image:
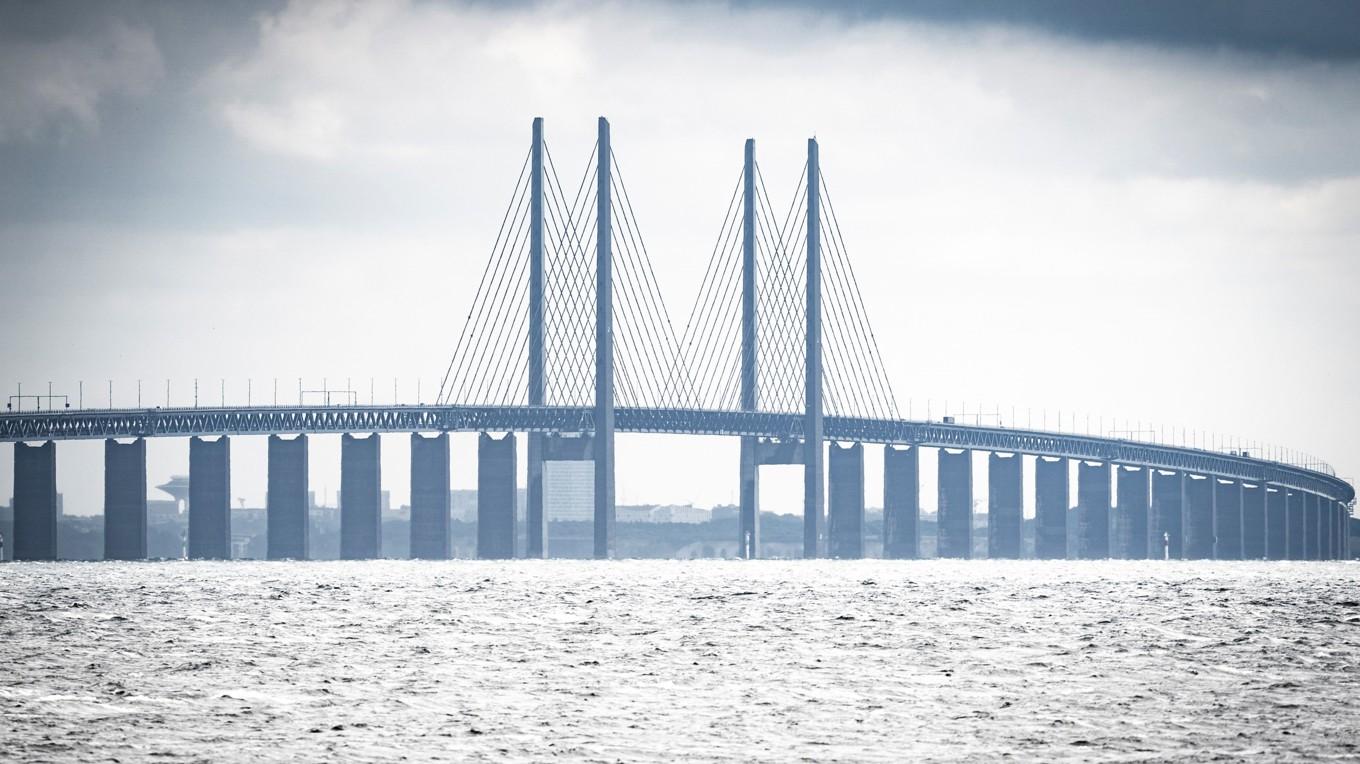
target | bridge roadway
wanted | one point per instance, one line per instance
(268, 420)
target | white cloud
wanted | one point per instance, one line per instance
(58, 86)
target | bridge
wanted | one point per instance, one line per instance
(569, 342)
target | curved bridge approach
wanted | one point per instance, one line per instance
(777, 352)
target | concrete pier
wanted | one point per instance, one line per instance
(535, 517)
(1005, 511)
(1339, 530)
(1093, 510)
(360, 497)
(845, 483)
(1166, 531)
(1051, 488)
(1294, 537)
(954, 518)
(1133, 487)
(1310, 526)
(1326, 521)
(1227, 520)
(1277, 524)
(210, 499)
(748, 521)
(125, 500)
(430, 496)
(35, 502)
(901, 503)
(288, 501)
(1254, 521)
(496, 525)
(1198, 517)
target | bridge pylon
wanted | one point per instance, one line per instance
(604, 351)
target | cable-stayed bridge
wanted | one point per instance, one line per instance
(569, 341)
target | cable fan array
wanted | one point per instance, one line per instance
(652, 369)
(490, 361)
(853, 376)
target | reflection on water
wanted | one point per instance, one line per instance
(655, 660)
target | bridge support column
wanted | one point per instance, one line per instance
(1336, 530)
(954, 515)
(1005, 512)
(1254, 521)
(210, 499)
(1295, 512)
(125, 500)
(814, 497)
(360, 497)
(1227, 520)
(1345, 532)
(1333, 530)
(35, 502)
(535, 517)
(1198, 516)
(430, 497)
(845, 526)
(901, 503)
(1310, 526)
(1134, 486)
(1326, 519)
(1093, 510)
(748, 530)
(288, 503)
(604, 354)
(1167, 525)
(1340, 531)
(1277, 523)
(1051, 485)
(496, 527)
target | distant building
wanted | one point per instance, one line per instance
(178, 488)
(725, 512)
(160, 510)
(684, 513)
(642, 514)
(569, 491)
(463, 504)
(670, 513)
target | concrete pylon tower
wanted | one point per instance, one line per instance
(814, 497)
(749, 521)
(604, 353)
(536, 541)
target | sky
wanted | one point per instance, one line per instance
(1144, 213)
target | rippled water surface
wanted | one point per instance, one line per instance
(658, 660)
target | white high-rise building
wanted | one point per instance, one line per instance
(569, 490)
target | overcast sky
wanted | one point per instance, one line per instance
(1148, 212)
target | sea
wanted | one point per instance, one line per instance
(709, 660)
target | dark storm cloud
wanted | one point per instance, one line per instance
(1312, 28)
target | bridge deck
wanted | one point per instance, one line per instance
(265, 420)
